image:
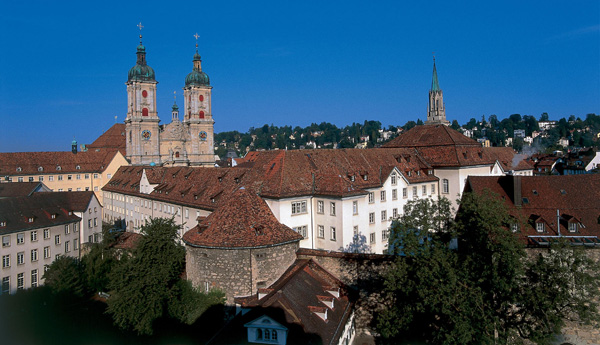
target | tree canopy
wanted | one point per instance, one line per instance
(488, 291)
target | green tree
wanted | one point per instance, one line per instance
(485, 292)
(66, 275)
(143, 285)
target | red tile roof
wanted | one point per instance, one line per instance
(244, 221)
(509, 159)
(13, 189)
(16, 212)
(126, 240)
(276, 174)
(113, 138)
(299, 293)
(431, 135)
(576, 197)
(44, 163)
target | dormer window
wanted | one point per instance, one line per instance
(418, 172)
(30, 220)
(365, 177)
(19, 169)
(40, 169)
(53, 216)
(514, 227)
(352, 178)
(430, 172)
(2, 223)
(58, 168)
(540, 227)
(78, 167)
(408, 173)
(572, 227)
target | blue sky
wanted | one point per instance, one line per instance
(63, 65)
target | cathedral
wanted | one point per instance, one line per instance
(178, 143)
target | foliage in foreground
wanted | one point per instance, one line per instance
(144, 285)
(487, 291)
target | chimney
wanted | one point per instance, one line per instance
(517, 197)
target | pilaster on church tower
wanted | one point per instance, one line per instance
(436, 111)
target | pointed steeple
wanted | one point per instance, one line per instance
(435, 85)
(436, 112)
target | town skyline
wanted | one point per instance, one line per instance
(271, 63)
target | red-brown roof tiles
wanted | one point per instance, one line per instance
(540, 197)
(113, 138)
(44, 163)
(244, 221)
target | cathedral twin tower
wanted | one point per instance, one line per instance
(179, 143)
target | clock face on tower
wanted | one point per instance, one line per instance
(203, 136)
(146, 135)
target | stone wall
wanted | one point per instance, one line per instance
(238, 272)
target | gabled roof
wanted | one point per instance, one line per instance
(575, 197)
(113, 138)
(46, 209)
(13, 189)
(431, 135)
(277, 174)
(293, 301)
(243, 221)
(508, 159)
(47, 163)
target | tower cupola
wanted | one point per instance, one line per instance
(141, 71)
(196, 76)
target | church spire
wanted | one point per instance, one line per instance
(436, 111)
(435, 85)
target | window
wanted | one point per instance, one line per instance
(333, 234)
(46, 234)
(50, 178)
(301, 230)
(95, 221)
(20, 238)
(433, 188)
(332, 208)
(6, 241)
(5, 261)
(96, 189)
(372, 218)
(355, 230)
(89, 223)
(394, 194)
(30, 178)
(383, 216)
(86, 176)
(34, 255)
(20, 258)
(514, 227)
(95, 175)
(404, 193)
(20, 179)
(393, 179)
(75, 227)
(424, 190)
(445, 187)
(34, 236)
(46, 252)
(69, 177)
(298, 207)
(384, 235)
(187, 213)
(78, 176)
(20, 281)
(108, 176)
(5, 285)
(372, 237)
(395, 213)
(414, 192)
(382, 195)
(540, 227)
(572, 227)
(67, 230)
(67, 246)
(371, 197)
(34, 278)
(321, 232)
(354, 207)
(40, 178)
(57, 239)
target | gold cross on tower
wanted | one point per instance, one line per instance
(140, 26)
(196, 35)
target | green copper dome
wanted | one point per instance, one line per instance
(197, 77)
(141, 71)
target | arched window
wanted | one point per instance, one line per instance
(267, 334)
(445, 186)
(145, 112)
(201, 114)
(177, 154)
